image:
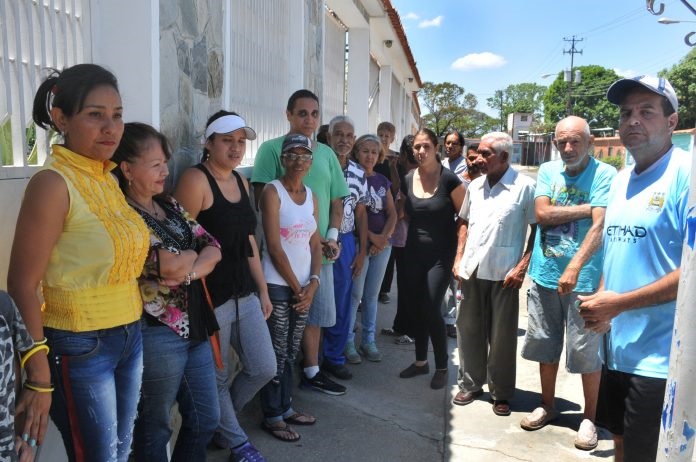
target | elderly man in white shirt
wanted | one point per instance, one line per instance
(491, 261)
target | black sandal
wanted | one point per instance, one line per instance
(283, 433)
(300, 418)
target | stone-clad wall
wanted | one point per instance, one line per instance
(192, 67)
(191, 74)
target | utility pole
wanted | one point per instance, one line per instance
(677, 431)
(568, 76)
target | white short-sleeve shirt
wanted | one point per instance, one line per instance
(498, 217)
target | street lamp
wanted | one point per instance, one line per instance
(687, 37)
(672, 21)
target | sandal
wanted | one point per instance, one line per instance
(300, 418)
(390, 332)
(282, 432)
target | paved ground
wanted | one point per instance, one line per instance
(386, 418)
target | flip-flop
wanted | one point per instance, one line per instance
(300, 418)
(278, 432)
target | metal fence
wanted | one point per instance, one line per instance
(34, 35)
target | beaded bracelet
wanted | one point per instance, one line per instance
(29, 386)
(31, 353)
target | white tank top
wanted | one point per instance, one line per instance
(297, 224)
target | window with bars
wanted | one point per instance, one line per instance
(34, 35)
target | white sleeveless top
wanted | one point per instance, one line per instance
(297, 224)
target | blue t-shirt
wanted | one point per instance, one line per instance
(555, 246)
(644, 231)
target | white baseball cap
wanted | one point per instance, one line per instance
(658, 85)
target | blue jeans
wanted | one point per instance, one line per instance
(366, 288)
(97, 377)
(335, 337)
(181, 370)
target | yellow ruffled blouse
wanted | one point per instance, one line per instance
(91, 279)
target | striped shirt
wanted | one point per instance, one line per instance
(357, 187)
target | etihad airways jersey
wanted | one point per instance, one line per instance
(644, 230)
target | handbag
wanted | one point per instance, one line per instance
(202, 321)
(215, 337)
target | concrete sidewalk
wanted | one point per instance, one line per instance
(386, 418)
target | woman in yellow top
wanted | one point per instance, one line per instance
(78, 239)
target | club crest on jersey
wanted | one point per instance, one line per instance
(656, 202)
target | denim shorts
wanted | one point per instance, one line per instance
(322, 313)
(552, 315)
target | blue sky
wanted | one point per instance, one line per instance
(487, 45)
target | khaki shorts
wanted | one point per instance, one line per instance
(551, 315)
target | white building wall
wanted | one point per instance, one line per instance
(384, 97)
(358, 91)
(373, 109)
(333, 100)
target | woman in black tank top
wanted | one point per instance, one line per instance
(218, 198)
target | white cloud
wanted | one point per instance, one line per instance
(435, 22)
(485, 60)
(411, 15)
(625, 72)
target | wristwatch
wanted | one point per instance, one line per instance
(315, 276)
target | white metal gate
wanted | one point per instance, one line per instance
(261, 36)
(333, 100)
(34, 35)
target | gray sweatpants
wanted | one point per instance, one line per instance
(487, 337)
(256, 355)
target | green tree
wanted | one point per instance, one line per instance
(519, 97)
(476, 124)
(588, 98)
(681, 76)
(448, 105)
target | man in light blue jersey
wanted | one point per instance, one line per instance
(570, 201)
(644, 229)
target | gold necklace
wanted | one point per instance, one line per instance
(153, 212)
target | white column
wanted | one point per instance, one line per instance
(126, 41)
(384, 100)
(678, 429)
(296, 46)
(358, 81)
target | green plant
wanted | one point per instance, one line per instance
(615, 161)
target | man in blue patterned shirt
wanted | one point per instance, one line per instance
(349, 264)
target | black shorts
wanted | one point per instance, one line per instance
(631, 405)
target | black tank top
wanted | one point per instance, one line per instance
(231, 223)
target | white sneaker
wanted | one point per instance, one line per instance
(587, 436)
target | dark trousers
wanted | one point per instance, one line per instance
(426, 279)
(389, 273)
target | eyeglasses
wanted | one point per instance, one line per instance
(292, 157)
